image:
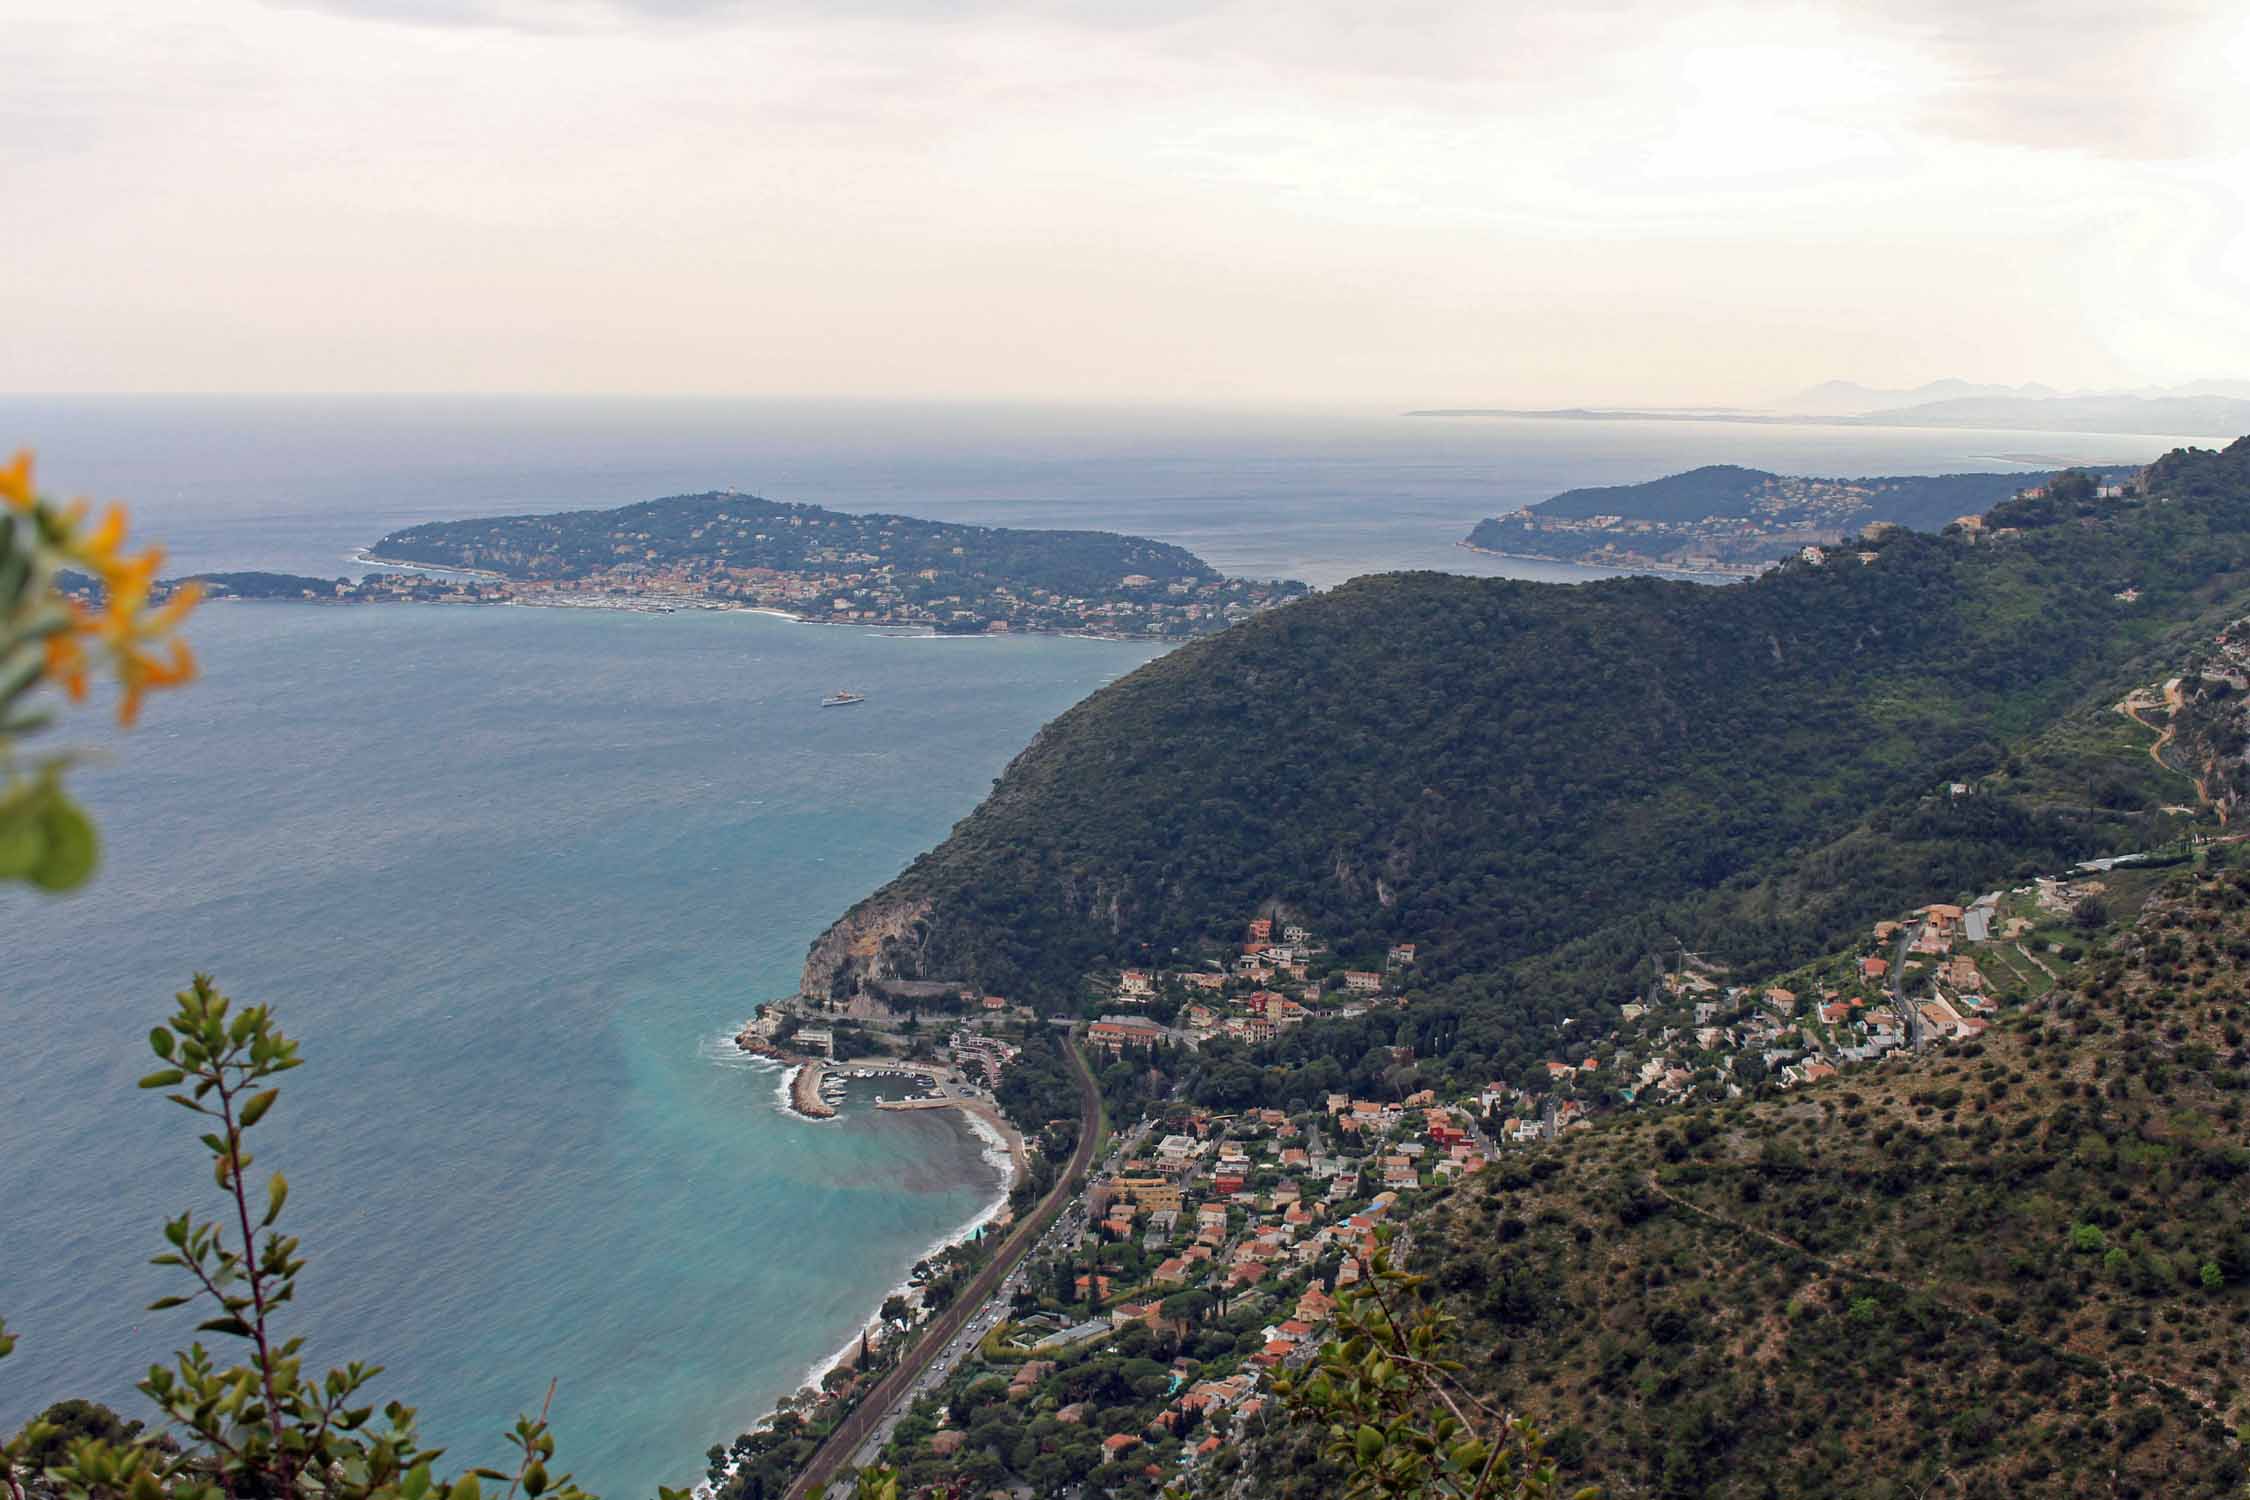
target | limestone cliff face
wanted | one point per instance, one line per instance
(876, 939)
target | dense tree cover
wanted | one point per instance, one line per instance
(1037, 1088)
(2023, 1263)
(1544, 785)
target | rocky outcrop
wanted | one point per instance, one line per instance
(869, 942)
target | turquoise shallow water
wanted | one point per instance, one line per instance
(510, 875)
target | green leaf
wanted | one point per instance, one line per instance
(235, 1326)
(160, 1043)
(1367, 1442)
(464, 1488)
(162, 1078)
(277, 1193)
(255, 1110)
(23, 843)
(534, 1477)
(69, 856)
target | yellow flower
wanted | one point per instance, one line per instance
(138, 671)
(66, 654)
(129, 631)
(136, 639)
(15, 481)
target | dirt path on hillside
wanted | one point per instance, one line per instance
(2174, 701)
(2130, 707)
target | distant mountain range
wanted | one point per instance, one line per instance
(2163, 415)
(1847, 398)
(2215, 408)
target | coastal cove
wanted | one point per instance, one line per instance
(514, 878)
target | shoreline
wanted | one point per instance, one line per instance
(906, 630)
(1005, 1151)
(983, 1218)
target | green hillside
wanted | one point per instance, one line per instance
(1728, 519)
(1923, 501)
(2016, 1266)
(1536, 782)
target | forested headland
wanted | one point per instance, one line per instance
(1548, 787)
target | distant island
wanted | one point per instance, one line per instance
(1723, 518)
(731, 551)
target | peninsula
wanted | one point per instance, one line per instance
(727, 551)
(1726, 519)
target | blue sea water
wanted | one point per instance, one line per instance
(512, 875)
(299, 484)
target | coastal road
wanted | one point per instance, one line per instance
(899, 1385)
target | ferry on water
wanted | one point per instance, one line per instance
(842, 697)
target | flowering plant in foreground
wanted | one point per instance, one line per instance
(50, 640)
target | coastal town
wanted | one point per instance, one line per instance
(1139, 1337)
(862, 593)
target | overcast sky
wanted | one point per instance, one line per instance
(1403, 203)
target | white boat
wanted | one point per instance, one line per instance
(841, 698)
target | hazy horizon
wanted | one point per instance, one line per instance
(1198, 202)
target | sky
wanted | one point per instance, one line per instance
(1415, 203)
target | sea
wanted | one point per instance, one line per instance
(514, 876)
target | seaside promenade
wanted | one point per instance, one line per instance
(899, 1385)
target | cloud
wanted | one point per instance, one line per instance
(552, 16)
(2149, 81)
(1693, 200)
